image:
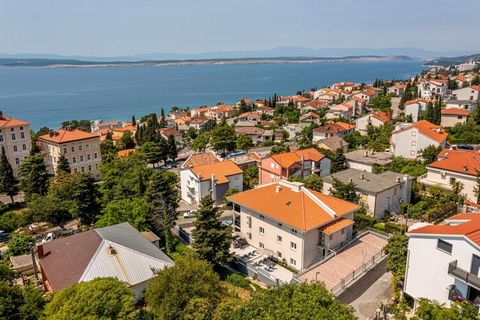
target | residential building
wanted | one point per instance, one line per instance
(258, 135)
(380, 193)
(359, 105)
(301, 163)
(246, 161)
(367, 160)
(452, 116)
(376, 119)
(250, 117)
(414, 108)
(100, 125)
(333, 144)
(212, 179)
(199, 159)
(82, 150)
(443, 261)
(397, 89)
(118, 251)
(454, 166)
(344, 110)
(471, 93)
(408, 140)
(462, 104)
(469, 66)
(331, 129)
(15, 139)
(297, 225)
(220, 112)
(167, 132)
(431, 89)
(309, 118)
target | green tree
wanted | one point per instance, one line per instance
(63, 165)
(228, 193)
(223, 138)
(172, 148)
(244, 142)
(102, 298)
(10, 301)
(77, 124)
(33, 304)
(127, 141)
(51, 208)
(339, 162)
(108, 151)
(33, 176)
(429, 154)
(306, 137)
(250, 178)
(200, 143)
(8, 183)
(131, 210)
(293, 301)
(313, 182)
(345, 191)
(172, 290)
(85, 197)
(279, 148)
(152, 152)
(212, 237)
(396, 251)
(432, 310)
(19, 245)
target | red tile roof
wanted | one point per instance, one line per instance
(455, 112)
(428, 129)
(199, 159)
(221, 170)
(302, 209)
(337, 225)
(64, 136)
(463, 161)
(288, 159)
(7, 122)
(469, 228)
(382, 116)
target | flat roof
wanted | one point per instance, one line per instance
(369, 157)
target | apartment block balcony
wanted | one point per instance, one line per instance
(463, 275)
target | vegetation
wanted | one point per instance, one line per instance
(131, 210)
(244, 142)
(102, 298)
(212, 237)
(77, 124)
(396, 251)
(250, 178)
(414, 168)
(63, 165)
(345, 191)
(33, 176)
(20, 245)
(8, 183)
(429, 154)
(20, 303)
(339, 162)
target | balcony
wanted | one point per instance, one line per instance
(463, 275)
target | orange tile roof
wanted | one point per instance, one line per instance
(382, 116)
(428, 129)
(344, 126)
(455, 112)
(199, 159)
(310, 154)
(249, 114)
(417, 101)
(470, 228)
(463, 161)
(303, 210)
(287, 159)
(7, 122)
(125, 153)
(310, 114)
(335, 226)
(476, 88)
(130, 128)
(64, 136)
(221, 170)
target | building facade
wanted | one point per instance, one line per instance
(15, 140)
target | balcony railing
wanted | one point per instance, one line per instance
(463, 275)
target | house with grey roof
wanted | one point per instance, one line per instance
(366, 160)
(379, 193)
(118, 251)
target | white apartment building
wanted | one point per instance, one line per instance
(15, 139)
(82, 149)
(443, 260)
(413, 108)
(380, 193)
(432, 88)
(376, 119)
(408, 140)
(212, 179)
(296, 225)
(471, 93)
(452, 116)
(454, 166)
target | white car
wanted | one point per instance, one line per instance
(189, 214)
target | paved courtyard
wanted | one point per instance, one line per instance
(360, 253)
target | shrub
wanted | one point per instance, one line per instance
(239, 281)
(363, 221)
(391, 227)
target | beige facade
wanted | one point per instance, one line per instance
(83, 154)
(15, 139)
(447, 179)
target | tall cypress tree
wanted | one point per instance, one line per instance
(33, 176)
(339, 161)
(172, 148)
(8, 183)
(85, 195)
(63, 165)
(134, 121)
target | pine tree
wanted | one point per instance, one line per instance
(339, 161)
(63, 165)
(85, 195)
(172, 148)
(33, 176)
(8, 183)
(212, 237)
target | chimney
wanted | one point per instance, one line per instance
(40, 252)
(51, 133)
(398, 179)
(362, 176)
(199, 176)
(366, 153)
(350, 180)
(112, 250)
(465, 168)
(278, 189)
(213, 177)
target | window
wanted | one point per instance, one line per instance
(279, 239)
(444, 246)
(293, 262)
(95, 155)
(22, 135)
(293, 246)
(15, 149)
(73, 149)
(14, 137)
(452, 181)
(89, 168)
(279, 254)
(460, 117)
(88, 157)
(17, 161)
(21, 128)
(75, 170)
(80, 148)
(343, 231)
(1, 137)
(83, 169)
(414, 133)
(81, 158)
(261, 230)
(261, 245)
(24, 147)
(87, 146)
(414, 143)
(64, 150)
(74, 160)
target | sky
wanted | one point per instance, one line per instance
(131, 27)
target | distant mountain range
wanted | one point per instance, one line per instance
(61, 62)
(286, 51)
(448, 61)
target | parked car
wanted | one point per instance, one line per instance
(189, 214)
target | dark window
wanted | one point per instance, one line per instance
(475, 264)
(444, 246)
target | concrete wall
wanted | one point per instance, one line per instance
(16, 149)
(466, 94)
(449, 121)
(427, 267)
(435, 176)
(409, 143)
(360, 166)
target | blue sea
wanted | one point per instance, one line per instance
(48, 96)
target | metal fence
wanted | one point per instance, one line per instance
(357, 273)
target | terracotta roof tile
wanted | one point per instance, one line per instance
(64, 136)
(7, 122)
(428, 129)
(199, 159)
(463, 161)
(335, 226)
(455, 112)
(221, 170)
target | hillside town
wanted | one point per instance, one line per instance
(355, 201)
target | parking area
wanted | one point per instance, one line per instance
(349, 264)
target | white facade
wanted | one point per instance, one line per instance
(410, 142)
(432, 89)
(471, 93)
(414, 109)
(461, 104)
(362, 123)
(15, 139)
(446, 179)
